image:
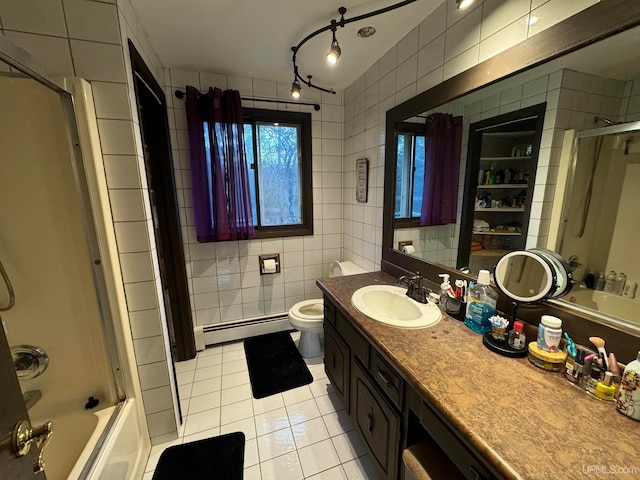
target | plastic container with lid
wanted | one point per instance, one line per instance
(481, 304)
(549, 361)
(549, 333)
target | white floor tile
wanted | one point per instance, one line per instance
(184, 391)
(327, 403)
(206, 386)
(234, 367)
(212, 350)
(284, 467)
(251, 457)
(252, 473)
(302, 411)
(212, 432)
(275, 444)
(236, 394)
(202, 421)
(272, 402)
(156, 451)
(235, 379)
(209, 360)
(321, 387)
(349, 446)
(234, 356)
(310, 432)
(186, 365)
(231, 347)
(335, 473)
(204, 402)
(271, 421)
(337, 422)
(317, 371)
(318, 457)
(297, 395)
(360, 469)
(246, 426)
(236, 411)
(185, 377)
(207, 373)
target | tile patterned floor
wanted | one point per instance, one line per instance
(299, 434)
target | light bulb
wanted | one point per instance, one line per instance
(334, 53)
(462, 4)
(295, 89)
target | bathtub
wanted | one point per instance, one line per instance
(93, 445)
(607, 303)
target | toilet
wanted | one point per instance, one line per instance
(307, 316)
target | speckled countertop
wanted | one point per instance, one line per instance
(528, 423)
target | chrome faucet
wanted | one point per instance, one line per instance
(414, 288)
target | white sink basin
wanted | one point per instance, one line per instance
(390, 305)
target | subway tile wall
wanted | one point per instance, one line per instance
(225, 284)
(88, 39)
(446, 43)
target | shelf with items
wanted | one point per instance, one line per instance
(501, 165)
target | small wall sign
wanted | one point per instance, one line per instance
(362, 179)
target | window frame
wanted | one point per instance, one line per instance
(255, 115)
(414, 129)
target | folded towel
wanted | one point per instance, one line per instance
(475, 248)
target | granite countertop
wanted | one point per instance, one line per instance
(528, 423)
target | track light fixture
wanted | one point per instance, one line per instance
(464, 4)
(334, 52)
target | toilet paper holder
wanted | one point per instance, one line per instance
(263, 262)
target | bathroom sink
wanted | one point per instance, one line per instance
(390, 305)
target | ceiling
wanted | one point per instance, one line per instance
(253, 38)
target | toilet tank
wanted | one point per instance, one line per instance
(340, 269)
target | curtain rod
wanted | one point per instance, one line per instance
(316, 106)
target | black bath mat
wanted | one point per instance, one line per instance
(275, 364)
(217, 458)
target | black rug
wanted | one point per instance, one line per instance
(275, 364)
(217, 458)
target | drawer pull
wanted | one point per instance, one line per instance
(385, 380)
(370, 421)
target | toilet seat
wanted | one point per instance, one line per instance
(308, 310)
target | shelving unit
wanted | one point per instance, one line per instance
(501, 166)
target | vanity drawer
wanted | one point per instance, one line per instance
(329, 311)
(387, 378)
(359, 346)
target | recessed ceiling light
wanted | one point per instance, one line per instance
(532, 20)
(366, 32)
(462, 4)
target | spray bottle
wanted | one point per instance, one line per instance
(481, 304)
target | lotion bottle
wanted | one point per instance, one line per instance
(445, 287)
(628, 398)
(481, 304)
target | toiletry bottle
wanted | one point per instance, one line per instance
(517, 338)
(628, 398)
(445, 287)
(481, 175)
(610, 282)
(629, 290)
(618, 286)
(591, 381)
(549, 333)
(605, 389)
(590, 279)
(481, 304)
(599, 285)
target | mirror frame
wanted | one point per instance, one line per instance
(600, 21)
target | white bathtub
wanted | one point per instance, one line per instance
(78, 439)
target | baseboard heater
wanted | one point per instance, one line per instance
(241, 329)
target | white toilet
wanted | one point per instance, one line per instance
(307, 316)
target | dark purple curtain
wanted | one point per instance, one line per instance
(443, 136)
(219, 174)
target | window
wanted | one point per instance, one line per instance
(409, 173)
(278, 146)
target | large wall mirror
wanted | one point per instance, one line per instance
(582, 79)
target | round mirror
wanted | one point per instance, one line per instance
(533, 275)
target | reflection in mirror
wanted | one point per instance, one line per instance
(600, 80)
(600, 224)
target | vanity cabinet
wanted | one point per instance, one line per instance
(501, 166)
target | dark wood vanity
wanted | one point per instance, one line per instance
(492, 417)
